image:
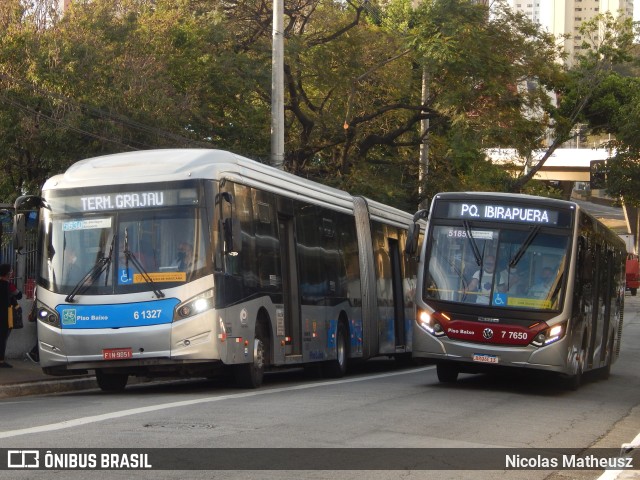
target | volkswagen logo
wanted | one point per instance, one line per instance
(487, 333)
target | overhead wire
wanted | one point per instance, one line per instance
(100, 114)
(30, 110)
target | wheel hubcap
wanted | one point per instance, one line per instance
(258, 354)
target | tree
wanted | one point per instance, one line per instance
(114, 75)
(607, 42)
(621, 119)
(485, 96)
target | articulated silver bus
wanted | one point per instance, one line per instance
(517, 281)
(177, 262)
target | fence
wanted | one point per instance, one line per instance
(8, 255)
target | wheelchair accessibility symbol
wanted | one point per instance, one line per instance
(499, 299)
(125, 276)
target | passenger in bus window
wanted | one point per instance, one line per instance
(515, 285)
(70, 268)
(147, 258)
(482, 280)
(541, 288)
(184, 257)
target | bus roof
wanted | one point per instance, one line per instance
(166, 165)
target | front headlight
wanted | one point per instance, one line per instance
(48, 316)
(549, 335)
(194, 306)
(429, 322)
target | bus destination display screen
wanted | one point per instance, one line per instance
(108, 201)
(503, 212)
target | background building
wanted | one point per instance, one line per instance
(562, 17)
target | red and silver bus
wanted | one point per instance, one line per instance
(517, 281)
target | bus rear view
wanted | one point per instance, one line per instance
(518, 281)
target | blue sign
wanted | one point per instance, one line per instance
(500, 299)
(125, 276)
(119, 315)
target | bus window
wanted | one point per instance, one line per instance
(504, 268)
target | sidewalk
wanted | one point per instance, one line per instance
(27, 378)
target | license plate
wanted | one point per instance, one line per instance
(484, 358)
(117, 353)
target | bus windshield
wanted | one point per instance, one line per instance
(509, 267)
(114, 252)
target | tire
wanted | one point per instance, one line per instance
(337, 367)
(634, 291)
(111, 382)
(251, 375)
(447, 372)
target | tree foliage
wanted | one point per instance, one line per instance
(607, 42)
(116, 75)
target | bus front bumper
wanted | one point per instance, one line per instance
(550, 358)
(154, 347)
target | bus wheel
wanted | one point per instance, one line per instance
(337, 367)
(250, 375)
(111, 382)
(633, 291)
(447, 372)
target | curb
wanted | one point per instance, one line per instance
(66, 384)
(47, 386)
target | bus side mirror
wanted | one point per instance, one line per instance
(420, 215)
(19, 232)
(232, 236)
(413, 236)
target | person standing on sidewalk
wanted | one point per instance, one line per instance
(5, 301)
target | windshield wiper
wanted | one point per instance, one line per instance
(472, 242)
(93, 274)
(525, 245)
(128, 255)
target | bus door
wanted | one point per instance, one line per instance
(597, 304)
(290, 291)
(608, 298)
(398, 295)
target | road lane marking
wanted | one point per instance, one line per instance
(185, 403)
(626, 450)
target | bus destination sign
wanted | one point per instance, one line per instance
(103, 202)
(122, 201)
(503, 213)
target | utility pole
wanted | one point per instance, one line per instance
(277, 86)
(423, 166)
